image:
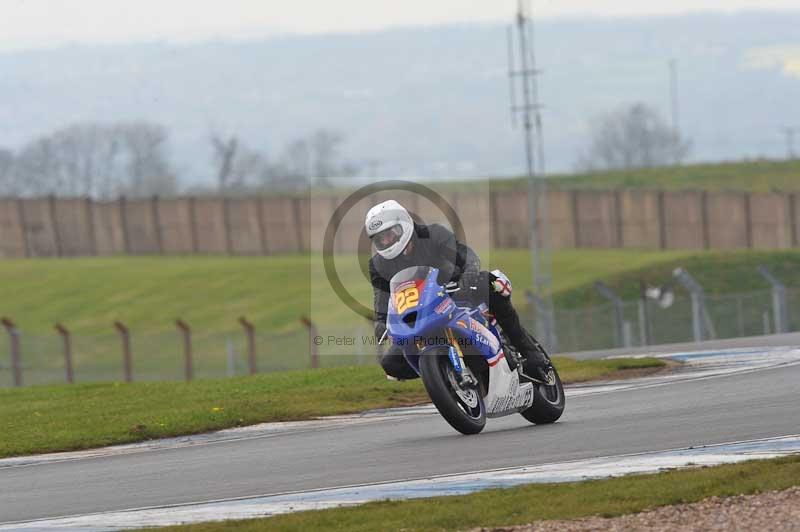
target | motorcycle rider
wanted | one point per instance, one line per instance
(401, 243)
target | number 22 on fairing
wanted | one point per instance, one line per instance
(406, 299)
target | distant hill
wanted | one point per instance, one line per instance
(430, 102)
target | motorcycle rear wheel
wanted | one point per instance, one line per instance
(461, 406)
(548, 402)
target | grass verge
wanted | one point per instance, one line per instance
(41, 419)
(210, 293)
(522, 505)
(756, 176)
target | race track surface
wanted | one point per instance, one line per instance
(693, 411)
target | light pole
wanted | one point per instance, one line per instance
(526, 75)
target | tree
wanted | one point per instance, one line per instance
(237, 165)
(6, 172)
(297, 159)
(632, 137)
(97, 160)
(147, 170)
(313, 157)
(325, 145)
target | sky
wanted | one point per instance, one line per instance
(46, 23)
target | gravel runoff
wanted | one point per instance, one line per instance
(776, 511)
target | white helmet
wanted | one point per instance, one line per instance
(390, 227)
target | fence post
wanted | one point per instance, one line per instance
(226, 223)
(51, 202)
(193, 225)
(312, 346)
(123, 218)
(249, 331)
(576, 221)
(662, 220)
(125, 336)
(619, 225)
(645, 333)
(23, 227)
(155, 216)
(701, 323)
(13, 336)
(67, 340)
(91, 230)
(779, 306)
(298, 224)
(619, 312)
(186, 334)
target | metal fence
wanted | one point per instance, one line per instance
(174, 355)
(644, 322)
(49, 359)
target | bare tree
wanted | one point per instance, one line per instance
(6, 172)
(632, 137)
(98, 160)
(36, 169)
(148, 170)
(224, 153)
(297, 159)
(325, 145)
(237, 165)
(315, 157)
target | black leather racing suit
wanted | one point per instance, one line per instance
(436, 246)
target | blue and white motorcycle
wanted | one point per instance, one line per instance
(469, 369)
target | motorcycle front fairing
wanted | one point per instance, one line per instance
(421, 315)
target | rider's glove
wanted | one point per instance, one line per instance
(500, 283)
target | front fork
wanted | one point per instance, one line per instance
(464, 375)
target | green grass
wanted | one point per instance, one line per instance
(759, 176)
(210, 293)
(718, 272)
(149, 293)
(40, 419)
(522, 505)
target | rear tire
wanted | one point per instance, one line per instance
(548, 402)
(466, 416)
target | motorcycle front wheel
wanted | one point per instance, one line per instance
(459, 404)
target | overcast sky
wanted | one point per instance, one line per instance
(35, 23)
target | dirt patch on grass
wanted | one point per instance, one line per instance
(776, 511)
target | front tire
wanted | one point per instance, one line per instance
(461, 406)
(548, 402)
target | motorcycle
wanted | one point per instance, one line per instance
(468, 367)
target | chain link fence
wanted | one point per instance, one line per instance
(644, 322)
(43, 358)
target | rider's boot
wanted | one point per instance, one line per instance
(536, 363)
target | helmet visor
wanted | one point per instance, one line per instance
(387, 238)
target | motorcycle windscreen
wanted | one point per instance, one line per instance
(414, 273)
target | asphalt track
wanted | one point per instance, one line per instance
(686, 412)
